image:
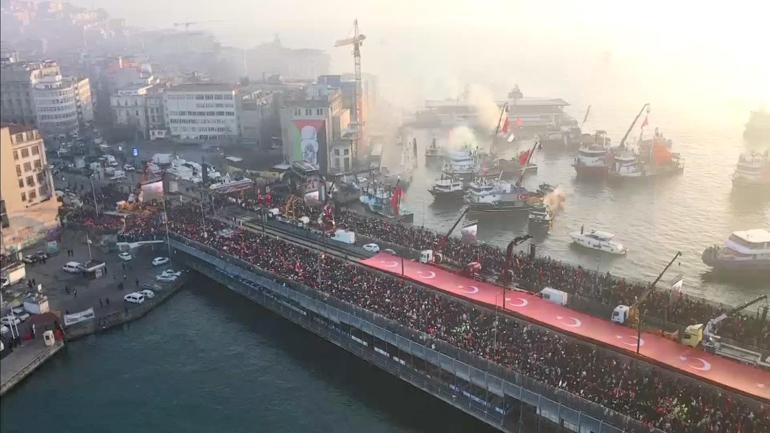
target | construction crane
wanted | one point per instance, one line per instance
(187, 24)
(357, 116)
(711, 326)
(506, 277)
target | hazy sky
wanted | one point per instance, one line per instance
(704, 60)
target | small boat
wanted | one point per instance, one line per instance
(497, 196)
(386, 202)
(447, 189)
(461, 165)
(752, 171)
(598, 240)
(434, 155)
(747, 250)
(540, 214)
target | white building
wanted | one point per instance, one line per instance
(202, 112)
(139, 106)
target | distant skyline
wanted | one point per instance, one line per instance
(682, 56)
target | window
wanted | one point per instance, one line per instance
(15, 155)
(18, 170)
(347, 152)
(4, 215)
(35, 150)
(24, 152)
(319, 111)
(21, 183)
(336, 152)
(27, 166)
(30, 181)
(298, 112)
(38, 164)
(23, 196)
(32, 195)
(308, 111)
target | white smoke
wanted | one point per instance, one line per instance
(484, 101)
(462, 138)
(555, 200)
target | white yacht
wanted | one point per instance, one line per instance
(747, 250)
(753, 170)
(598, 240)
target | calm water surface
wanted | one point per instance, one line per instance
(208, 360)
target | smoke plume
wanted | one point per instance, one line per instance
(555, 200)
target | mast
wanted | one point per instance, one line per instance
(636, 119)
(503, 110)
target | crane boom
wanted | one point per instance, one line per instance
(711, 325)
(636, 119)
(357, 113)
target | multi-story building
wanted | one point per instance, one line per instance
(259, 118)
(26, 191)
(200, 112)
(38, 94)
(139, 107)
(315, 129)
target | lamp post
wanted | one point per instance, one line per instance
(644, 297)
(93, 192)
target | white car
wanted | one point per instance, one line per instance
(128, 167)
(160, 261)
(372, 248)
(134, 298)
(125, 256)
(165, 278)
(10, 320)
(148, 294)
(72, 267)
(171, 273)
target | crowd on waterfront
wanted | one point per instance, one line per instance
(536, 273)
(638, 390)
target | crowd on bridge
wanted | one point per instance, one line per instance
(653, 396)
(539, 272)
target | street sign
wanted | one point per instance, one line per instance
(134, 152)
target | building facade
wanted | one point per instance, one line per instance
(315, 129)
(202, 112)
(139, 107)
(258, 117)
(26, 192)
(38, 94)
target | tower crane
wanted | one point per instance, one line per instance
(357, 116)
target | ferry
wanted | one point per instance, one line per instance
(447, 189)
(747, 250)
(752, 171)
(598, 240)
(593, 156)
(758, 125)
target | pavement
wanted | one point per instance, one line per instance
(23, 360)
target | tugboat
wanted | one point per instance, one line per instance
(752, 171)
(598, 240)
(460, 165)
(592, 158)
(386, 203)
(758, 125)
(447, 189)
(744, 251)
(654, 159)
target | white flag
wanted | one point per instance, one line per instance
(678, 282)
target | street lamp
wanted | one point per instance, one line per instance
(93, 191)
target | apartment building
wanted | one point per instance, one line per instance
(201, 112)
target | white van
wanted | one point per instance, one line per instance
(555, 296)
(72, 267)
(134, 298)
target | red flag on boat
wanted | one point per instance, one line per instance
(519, 122)
(506, 126)
(523, 156)
(395, 199)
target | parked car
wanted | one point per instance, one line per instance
(166, 278)
(134, 298)
(372, 248)
(128, 167)
(171, 273)
(10, 320)
(160, 261)
(148, 294)
(125, 256)
(72, 267)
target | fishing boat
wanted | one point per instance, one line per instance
(540, 215)
(496, 196)
(752, 171)
(758, 125)
(592, 159)
(434, 155)
(461, 165)
(447, 189)
(654, 158)
(747, 250)
(598, 240)
(386, 202)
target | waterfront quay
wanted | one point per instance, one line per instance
(73, 293)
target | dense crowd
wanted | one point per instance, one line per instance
(630, 387)
(534, 274)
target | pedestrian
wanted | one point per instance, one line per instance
(137, 283)
(107, 301)
(125, 277)
(75, 292)
(34, 333)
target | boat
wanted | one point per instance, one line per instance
(747, 250)
(496, 196)
(386, 202)
(461, 165)
(752, 171)
(758, 125)
(434, 155)
(593, 156)
(598, 240)
(541, 215)
(447, 189)
(653, 159)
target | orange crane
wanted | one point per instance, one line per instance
(356, 41)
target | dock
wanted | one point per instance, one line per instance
(24, 360)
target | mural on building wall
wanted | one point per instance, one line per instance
(310, 142)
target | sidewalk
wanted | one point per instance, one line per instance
(24, 360)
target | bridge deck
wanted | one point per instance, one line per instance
(695, 362)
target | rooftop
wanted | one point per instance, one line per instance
(540, 102)
(203, 87)
(754, 235)
(15, 128)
